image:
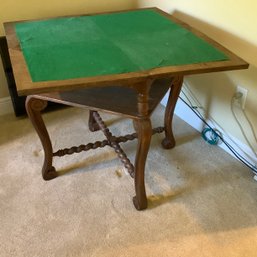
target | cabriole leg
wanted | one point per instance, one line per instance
(169, 140)
(144, 129)
(34, 106)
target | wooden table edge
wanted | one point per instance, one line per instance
(24, 82)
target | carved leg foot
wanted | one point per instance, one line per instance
(144, 129)
(139, 206)
(50, 174)
(34, 106)
(168, 143)
(92, 124)
(169, 140)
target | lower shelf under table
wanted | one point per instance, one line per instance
(115, 99)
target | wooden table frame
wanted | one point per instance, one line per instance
(141, 82)
(35, 104)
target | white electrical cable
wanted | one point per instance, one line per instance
(241, 127)
(212, 120)
(251, 163)
(253, 167)
(251, 125)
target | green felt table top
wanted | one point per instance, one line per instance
(86, 46)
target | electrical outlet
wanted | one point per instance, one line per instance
(240, 96)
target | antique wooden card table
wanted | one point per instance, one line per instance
(122, 63)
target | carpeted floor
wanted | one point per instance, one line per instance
(202, 202)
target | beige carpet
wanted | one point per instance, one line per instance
(202, 202)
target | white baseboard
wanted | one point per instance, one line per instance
(6, 105)
(186, 114)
